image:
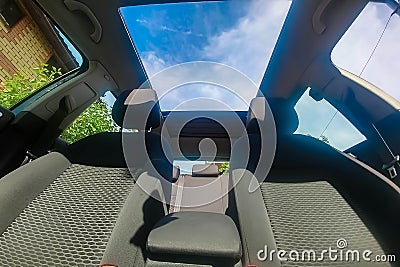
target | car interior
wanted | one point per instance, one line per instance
(119, 198)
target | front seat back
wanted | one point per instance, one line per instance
(84, 210)
(313, 196)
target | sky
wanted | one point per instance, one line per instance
(238, 34)
(75, 53)
(243, 36)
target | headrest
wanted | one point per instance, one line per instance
(286, 120)
(205, 170)
(256, 112)
(176, 172)
(138, 105)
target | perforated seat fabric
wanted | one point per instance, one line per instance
(313, 215)
(54, 213)
(70, 222)
(317, 196)
(86, 209)
(312, 196)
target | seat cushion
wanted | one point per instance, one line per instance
(313, 196)
(70, 222)
(313, 215)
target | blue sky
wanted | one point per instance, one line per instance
(236, 33)
(243, 36)
(71, 47)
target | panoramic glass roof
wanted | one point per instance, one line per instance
(355, 51)
(239, 34)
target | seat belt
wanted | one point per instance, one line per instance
(52, 130)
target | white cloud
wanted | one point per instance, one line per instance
(153, 63)
(249, 44)
(142, 21)
(155, 27)
(199, 80)
(207, 97)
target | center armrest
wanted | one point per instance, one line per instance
(197, 234)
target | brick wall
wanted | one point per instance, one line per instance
(22, 48)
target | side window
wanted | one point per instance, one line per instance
(368, 47)
(95, 119)
(33, 52)
(323, 121)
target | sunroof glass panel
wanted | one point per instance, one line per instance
(239, 34)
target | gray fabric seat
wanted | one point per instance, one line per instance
(205, 170)
(214, 241)
(313, 196)
(315, 216)
(53, 218)
(55, 212)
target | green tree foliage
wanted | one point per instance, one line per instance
(95, 119)
(21, 85)
(224, 168)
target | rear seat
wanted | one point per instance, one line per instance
(205, 170)
(80, 211)
(313, 196)
(204, 191)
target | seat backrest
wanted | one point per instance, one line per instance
(205, 170)
(95, 188)
(302, 159)
(76, 214)
(137, 109)
(245, 207)
(176, 172)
